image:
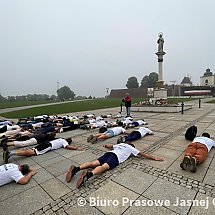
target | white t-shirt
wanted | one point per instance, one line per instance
(92, 121)
(209, 143)
(123, 151)
(141, 122)
(59, 143)
(143, 131)
(126, 121)
(8, 173)
(118, 130)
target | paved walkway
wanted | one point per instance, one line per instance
(138, 186)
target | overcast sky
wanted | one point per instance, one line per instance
(91, 45)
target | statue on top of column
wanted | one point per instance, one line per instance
(160, 42)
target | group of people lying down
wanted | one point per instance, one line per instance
(45, 141)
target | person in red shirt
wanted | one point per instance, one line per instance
(127, 101)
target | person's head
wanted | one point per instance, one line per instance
(69, 140)
(25, 169)
(205, 134)
(102, 129)
(127, 94)
(120, 123)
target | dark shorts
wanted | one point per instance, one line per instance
(110, 158)
(135, 124)
(42, 148)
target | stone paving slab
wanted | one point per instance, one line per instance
(26, 202)
(144, 206)
(165, 190)
(199, 175)
(53, 186)
(84, 157)
(204, 205)
(169, 158)
(115, 194)
(135, 180)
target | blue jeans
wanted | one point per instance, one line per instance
(128, 110)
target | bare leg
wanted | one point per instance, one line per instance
(100, 169)
(25, 152)
(91, 164)
(102, 137)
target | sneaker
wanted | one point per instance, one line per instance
(6, 156)
(185, 163)
(70, 173)
(82, 179)
(193, 167)
(93, 140)
(90, 138)
(121, 139)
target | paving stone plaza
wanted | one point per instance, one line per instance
(138, 186)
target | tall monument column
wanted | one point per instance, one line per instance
(160, 55)
(160, 93)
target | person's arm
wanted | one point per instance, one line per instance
(108, 146)
(141, 153)
(73, 148)
(26, 178)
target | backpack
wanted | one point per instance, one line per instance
(191, 132)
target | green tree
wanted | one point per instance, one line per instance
(65, 93)
(149, 81)
(153, 77)
(132, 83)
(145, 81)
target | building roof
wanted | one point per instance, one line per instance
(208, 73)
(186, 80)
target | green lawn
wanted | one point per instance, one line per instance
(21, 103)
(74, 107)
(213, 101)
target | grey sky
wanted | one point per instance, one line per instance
(91, 45)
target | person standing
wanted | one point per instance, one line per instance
(127, 101)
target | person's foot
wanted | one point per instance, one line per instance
(93, 140)
(185, 163)
(90, 138)
(193, 167)
(82, 179)
(70, 173)
(6, 156)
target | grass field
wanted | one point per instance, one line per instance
(21, 103)
(76, 107)
(213, 101)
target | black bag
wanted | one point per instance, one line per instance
(191, 133)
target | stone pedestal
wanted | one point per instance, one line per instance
(160, 96)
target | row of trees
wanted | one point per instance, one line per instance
(148, 81)
(64, 93)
